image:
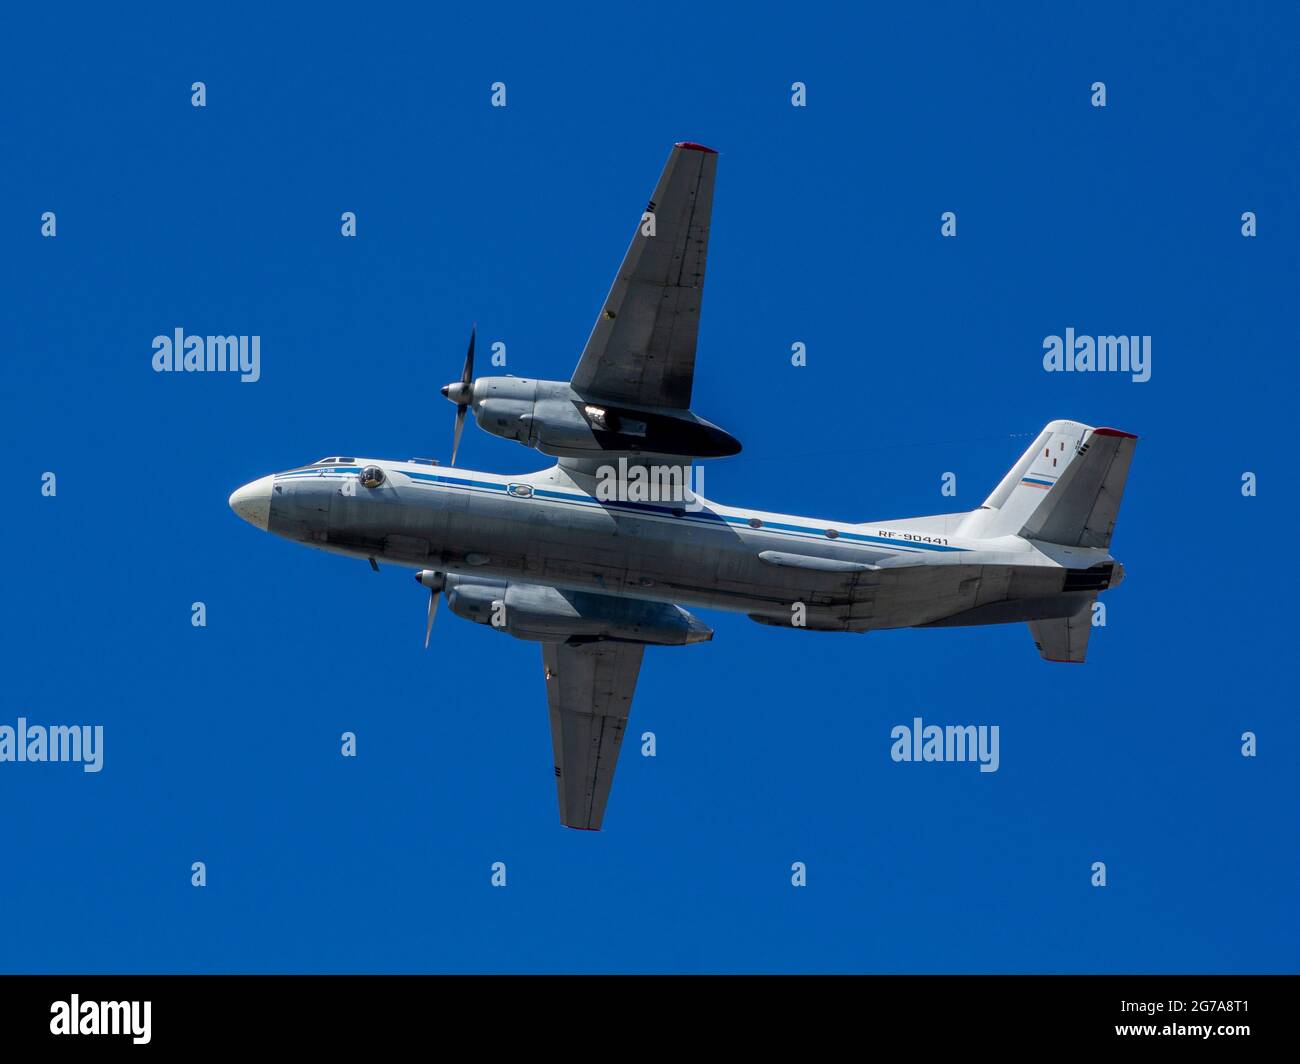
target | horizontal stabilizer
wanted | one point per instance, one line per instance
(1064, 638)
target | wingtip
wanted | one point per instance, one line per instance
(690, 145)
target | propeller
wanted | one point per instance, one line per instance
(461, 393)
(435, 582)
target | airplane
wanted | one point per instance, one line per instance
(597, 576)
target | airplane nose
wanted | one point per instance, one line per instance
(253, 502)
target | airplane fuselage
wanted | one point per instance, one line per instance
(550, 528)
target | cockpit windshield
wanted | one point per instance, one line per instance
(334, 461)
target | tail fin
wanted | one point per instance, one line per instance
(1065, 489)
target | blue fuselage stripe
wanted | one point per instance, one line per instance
(693, 516)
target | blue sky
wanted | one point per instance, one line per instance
(924, 357)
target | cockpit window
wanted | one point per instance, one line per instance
(326, 461)
(372, 476)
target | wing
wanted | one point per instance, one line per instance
(642, 348)
(589, 688)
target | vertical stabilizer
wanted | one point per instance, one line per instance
(1065, 489)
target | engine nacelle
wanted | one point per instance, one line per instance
(549, 615)
(553, 418)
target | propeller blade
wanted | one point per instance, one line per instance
(460, 427)
(468, 374)
(433, 612)
(462, 392)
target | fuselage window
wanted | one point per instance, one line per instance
(372, 476)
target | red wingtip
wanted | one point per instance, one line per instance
(1114, 432)
(690, 145)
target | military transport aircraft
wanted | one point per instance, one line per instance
(595, 576)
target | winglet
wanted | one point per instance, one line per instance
(690, 145)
